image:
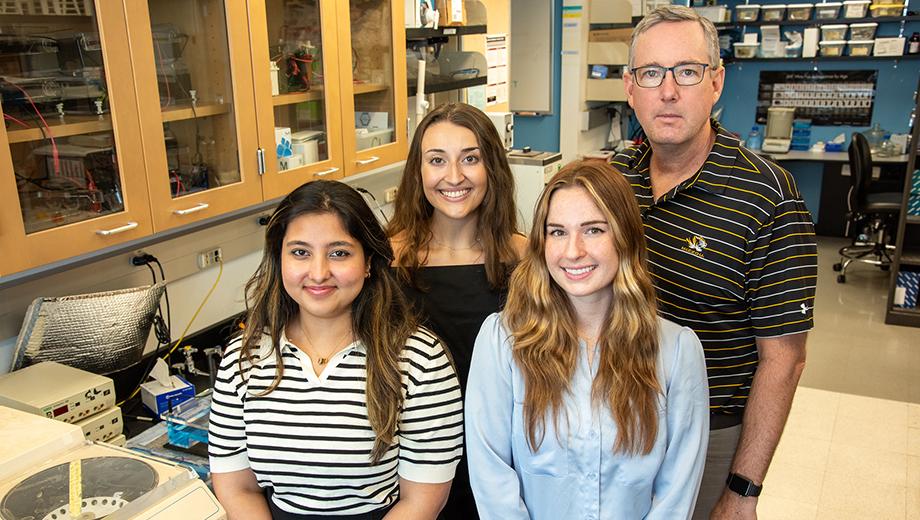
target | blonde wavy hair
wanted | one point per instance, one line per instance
(542, 322)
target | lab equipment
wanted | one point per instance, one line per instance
(531, 170)
(75, 394)
(779, 129)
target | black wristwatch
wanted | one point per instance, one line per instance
(742, 485)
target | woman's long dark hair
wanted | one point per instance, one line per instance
(381, 317)
(497, 214)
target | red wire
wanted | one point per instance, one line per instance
(54, 150)
(13, 119)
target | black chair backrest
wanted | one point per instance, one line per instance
(860, 171)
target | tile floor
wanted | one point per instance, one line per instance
(851, 448)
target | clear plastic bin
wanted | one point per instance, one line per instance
(747, 13)
(835, 32)
(860, 47)
(856, 8)
(832, 48)
(746, 50)
(827, 10)
(798, 12)
(886, 10)
(863, 31)
(772, 13)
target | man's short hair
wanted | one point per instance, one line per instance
(677, 13)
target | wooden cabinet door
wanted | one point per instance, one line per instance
(297, 92)
(372, 60)
(71, 167)
(193, 71)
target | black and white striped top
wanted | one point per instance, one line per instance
(310, 439)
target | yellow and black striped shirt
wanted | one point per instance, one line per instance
(732, 253)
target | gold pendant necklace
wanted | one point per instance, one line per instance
(321, 361)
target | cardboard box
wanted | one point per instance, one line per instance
(610, 35)
(889, 47)
(452, 12)
(158, 398)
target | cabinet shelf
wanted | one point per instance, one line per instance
(443, 86)
(72, 125)
(910, 257)
(423, 33)
(903, 316)
(818, 23)
(183, 113)
(912, 219)
(316, 93)
(732, 60)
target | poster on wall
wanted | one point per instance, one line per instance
(828, 98)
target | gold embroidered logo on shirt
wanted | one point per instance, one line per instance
(695, 245)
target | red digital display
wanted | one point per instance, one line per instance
(60, 410)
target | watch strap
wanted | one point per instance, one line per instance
(742, 486)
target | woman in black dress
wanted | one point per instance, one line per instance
(455, 239)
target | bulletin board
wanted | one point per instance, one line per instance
(828, 98)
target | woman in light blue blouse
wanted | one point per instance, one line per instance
(581, 403)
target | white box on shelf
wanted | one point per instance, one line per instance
(889, 47)
(282, 141)
(810, 42)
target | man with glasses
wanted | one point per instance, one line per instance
(731, 249)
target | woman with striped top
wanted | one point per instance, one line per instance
(332, 403)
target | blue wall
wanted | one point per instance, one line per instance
(542, 132)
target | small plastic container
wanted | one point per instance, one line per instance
(827, 10)
(860, 47)
(745, 50)
(863, 31)
(834, 32)
(772, 13)
(832, 47)
(798, 12)
(856, 8)
(747, 13)
(886, 10)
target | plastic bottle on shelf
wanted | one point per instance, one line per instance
(913, 45)
(755, 139)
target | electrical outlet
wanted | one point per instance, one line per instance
(210, 257)
(390, 194)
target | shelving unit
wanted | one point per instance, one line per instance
(425, 33)
(907, 245)
(826, 58)
(433, 87)
(817, 23)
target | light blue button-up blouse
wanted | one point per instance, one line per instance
(576, 474)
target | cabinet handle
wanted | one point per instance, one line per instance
(368, 160)
(119, 229)
(325, 172)
(197, 207)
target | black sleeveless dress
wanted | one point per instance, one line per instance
(453, 301)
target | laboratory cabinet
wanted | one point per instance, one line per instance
(124, 119)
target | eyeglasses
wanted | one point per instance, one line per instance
(685, 74)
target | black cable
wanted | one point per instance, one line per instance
(376, 203)
(166, 295)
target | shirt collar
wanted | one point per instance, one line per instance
(725, 154)
(357, 345)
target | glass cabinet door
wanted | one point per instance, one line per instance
(296, 81)
(196, 107)
(73, 165)
(376, 64)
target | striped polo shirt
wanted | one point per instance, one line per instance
(733, 256)
(310, 439)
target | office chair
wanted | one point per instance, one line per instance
(870, 216)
